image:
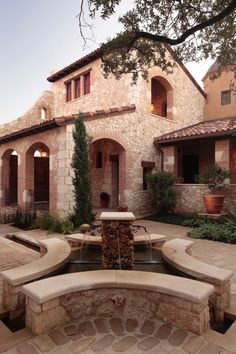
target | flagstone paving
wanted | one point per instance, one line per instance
(104, 335)
(74, 338)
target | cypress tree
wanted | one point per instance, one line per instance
(81, 180)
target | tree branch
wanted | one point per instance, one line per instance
(164, 39)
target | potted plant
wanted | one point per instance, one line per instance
(214, 176)
(105, 199)
(179, 180)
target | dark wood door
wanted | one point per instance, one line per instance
(41, 179)
(13, 178)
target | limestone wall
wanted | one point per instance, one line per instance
(189, 198)
(32, 116)
(59, 168)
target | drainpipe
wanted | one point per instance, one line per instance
(162, 156)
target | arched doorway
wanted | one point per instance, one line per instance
(9, 177)
(37, 176)
(108, 159)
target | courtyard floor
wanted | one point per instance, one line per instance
(121, 334)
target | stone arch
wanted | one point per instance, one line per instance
(9, 177)
(161, 97)
(111, 177)
(37, 176)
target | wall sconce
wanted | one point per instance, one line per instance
(43, 153)
(152, 107)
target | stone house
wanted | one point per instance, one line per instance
(188, 151)
(122, 121)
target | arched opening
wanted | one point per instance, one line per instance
(37, 176)
(10, 177)
(43, 113)
(161, 97)
(108, 159)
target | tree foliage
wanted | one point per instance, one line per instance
(195, 29)
(81, 180)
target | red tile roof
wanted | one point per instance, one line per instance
(59, 121)
(204, 129)
(89, 58)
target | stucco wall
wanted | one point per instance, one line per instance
(213, 108)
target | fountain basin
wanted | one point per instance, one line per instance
(178, 301)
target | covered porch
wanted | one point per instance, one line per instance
(187, 152)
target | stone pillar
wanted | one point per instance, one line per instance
(117, 240)
(170, 159)
(222, 153)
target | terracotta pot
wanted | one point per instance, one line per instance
(104, 203)
(213, 203)
(122, 208)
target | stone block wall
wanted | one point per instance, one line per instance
(190, 198)
(139, 304)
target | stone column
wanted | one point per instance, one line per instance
(170, 159)
(222, 153)
(117, 240)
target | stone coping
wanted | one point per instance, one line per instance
(97, 240)
(51, 288)
(117, 215)
(58, 252)
(174, 252)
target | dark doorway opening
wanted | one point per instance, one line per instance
(41, 179)
(13, 178)
(114, 180)
(190, 168)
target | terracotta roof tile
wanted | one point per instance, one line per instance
(208, 128)
(89, 58)
(16, 131)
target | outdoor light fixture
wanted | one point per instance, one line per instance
(152, 107)
(43, 153)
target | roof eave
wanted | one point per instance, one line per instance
(193, 137)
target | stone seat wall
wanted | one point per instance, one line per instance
(54, 254)
(175, 253)
(178, 301)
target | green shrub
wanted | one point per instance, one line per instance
(214, 231)
(163, 198)
(53, 224)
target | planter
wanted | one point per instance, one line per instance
(213, 203)
(179, 180)
(122, 208)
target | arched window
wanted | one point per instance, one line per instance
(99, 159)
(43, 113)
(161, 97)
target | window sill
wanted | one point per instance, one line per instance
(163, 118)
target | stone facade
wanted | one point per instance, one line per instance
(126, 135)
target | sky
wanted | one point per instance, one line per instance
(38, 36)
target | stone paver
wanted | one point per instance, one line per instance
(148, 343)
(58, 337)
(128, 335)
(124, 344)
(177, 337)
(103, 343)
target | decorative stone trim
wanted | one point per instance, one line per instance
(175, 253)
(178, 301)
(54, 252)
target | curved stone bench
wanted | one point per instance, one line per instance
(175, 253)
(54, 252)
(78, 239)
(178, 301)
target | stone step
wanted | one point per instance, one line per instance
(4, 332)
(7, 342)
